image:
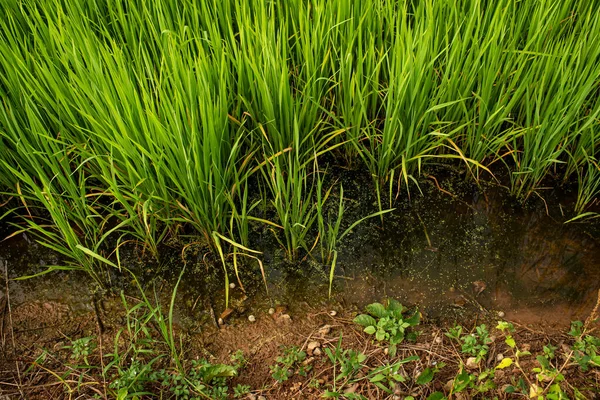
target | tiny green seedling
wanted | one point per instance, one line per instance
(428, 374)
(389, 323)
(82, 348)
(477, 344)
(585, 348)
(455, 332)
(346, 364)
(387, 376)
(241, 390)
(289, 363)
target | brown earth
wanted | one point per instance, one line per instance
(35, 330)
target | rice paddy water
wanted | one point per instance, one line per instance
(452, 256)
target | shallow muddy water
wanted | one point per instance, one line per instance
(460, 255)
(451, 256)
(485, 253)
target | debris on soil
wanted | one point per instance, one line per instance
(283, 319)
(479, 287)
(324, 330)
(477, 361)
(226, 314)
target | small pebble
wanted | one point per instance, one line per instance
(310, 348)
(271, 311)
(449, 385)
(251, 318)
(438, 340)
(500, 357)
(308, 361)
(324, 330)
(351, 389)
(472, 363)
(284, 319)
(317, 352)
(501, 314)
(333, 313)
(232, 285)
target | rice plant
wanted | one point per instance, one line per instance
(124, 121)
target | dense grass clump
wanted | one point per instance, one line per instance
(134, 120)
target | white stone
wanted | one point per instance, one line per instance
(312, 346)
(284, 319)
(472, 363)
(324, 330)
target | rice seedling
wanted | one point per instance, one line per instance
(330, 233)
(61, 215)
(589, 185)
(556, 105)
(292, 190)
(137, 122)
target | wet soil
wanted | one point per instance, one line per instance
(457, 252)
